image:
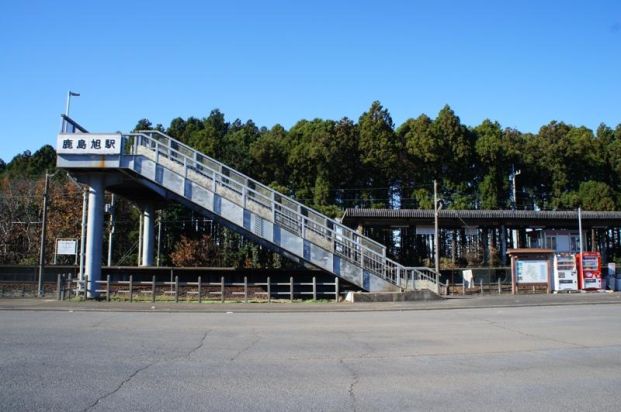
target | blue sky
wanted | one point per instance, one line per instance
(522, 63)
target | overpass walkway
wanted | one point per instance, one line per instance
(125, 163)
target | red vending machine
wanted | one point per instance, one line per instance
(589, 270)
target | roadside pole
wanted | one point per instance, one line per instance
(83, 233)
(40, 291)
(436, 233)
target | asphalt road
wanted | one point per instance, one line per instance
(500, 358)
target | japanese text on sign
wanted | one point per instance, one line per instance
(88, 144)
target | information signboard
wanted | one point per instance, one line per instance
(532, 271)
(86, 143)
(66, 246)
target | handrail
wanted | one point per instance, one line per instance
(226, 180)
(249, 179)
(287, 212)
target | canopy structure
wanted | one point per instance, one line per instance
(513, 219)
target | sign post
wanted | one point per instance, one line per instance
(531, 267)
(66, 247)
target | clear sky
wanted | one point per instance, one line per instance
(522, 63)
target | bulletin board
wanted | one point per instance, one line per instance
(532, 271)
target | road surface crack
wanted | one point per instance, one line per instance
(246, 349)
(531, 335)
(354, 381)
(145, 367)
(118, 388)
(355, 378)
(199, 346)
(368, 349)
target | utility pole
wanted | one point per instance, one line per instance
(436, 231)
(512, 177)
(83, 231)
(40, 291)
(159, 237)
(580, 229)
(111, 235)
(140, 237)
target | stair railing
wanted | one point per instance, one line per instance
(274, 206)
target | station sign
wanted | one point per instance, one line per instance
(88, 143)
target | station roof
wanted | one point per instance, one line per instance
(530, 251)
(481, 218)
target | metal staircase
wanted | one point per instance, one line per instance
(257, 211)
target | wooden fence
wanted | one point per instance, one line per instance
(199, 291)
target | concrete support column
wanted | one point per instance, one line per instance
(94, 233)
(148, 234)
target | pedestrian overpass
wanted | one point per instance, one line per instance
(151, 168)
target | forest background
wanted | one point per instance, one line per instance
(331, 165)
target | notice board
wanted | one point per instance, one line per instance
(532, 271)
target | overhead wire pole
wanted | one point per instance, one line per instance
(436, 232)
(40, 291)
(159, 237)
(512, 176)
(83, 232)
(112, 229)
(580, 230)
(140, 223)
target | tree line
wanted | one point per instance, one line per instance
(335, 164)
